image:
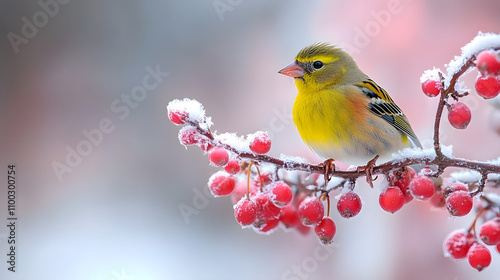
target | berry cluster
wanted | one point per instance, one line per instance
(461, 244)
(487, 86)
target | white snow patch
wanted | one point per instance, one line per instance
(419, 153)
(292, 159)
(334, 181)
(430, 74)
(466, 176)
(194, 108)
(240, 143)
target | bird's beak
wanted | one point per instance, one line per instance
(293, 70)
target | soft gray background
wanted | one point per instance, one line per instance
(116, 215)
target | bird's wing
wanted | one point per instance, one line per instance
(382, 105)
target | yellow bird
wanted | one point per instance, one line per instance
(340, 112)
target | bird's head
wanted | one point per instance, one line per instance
(320, 65)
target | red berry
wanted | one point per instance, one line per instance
(260, 143)
(488, 87)
(268, 225)
(457, 244)
(266, 209)
(245, 212)
(479, 256)
(487, 62)
(490, 232)
(177, 116)
(281, 194)
(325, 230)
(349, 204)
(232, 167)
(311, 211)
(218, 156)
(431, 87)
(391, 199)
(422, 187)
(401, 179)
(459, 115)
(459, 203)
(455, 187)
(221, 184)
(438, 199)
(188, 135)
(289, 216)
(498, 248)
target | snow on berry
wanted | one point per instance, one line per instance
(325, 230)
(232, 167)
(488, 86)
(188, 135)
(457, 244)
(487, 62)
(479, 256)
(431, 87)
(349, 204)
(422, 187)
(459, 115)
(391, 199)
(490, 232)
(221, 184)
(187, 110)
(453, 187)
(260, 143)
(218, 156)
(311, 211)
(281, 194)
(459, 203)
(245, 212)
(481, 42)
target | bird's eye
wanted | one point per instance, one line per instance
(317, 64)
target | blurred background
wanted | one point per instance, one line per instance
(70, 68)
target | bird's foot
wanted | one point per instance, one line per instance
(329, 167)
(368, 169)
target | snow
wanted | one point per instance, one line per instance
(430, 74)
(419, 153)
(240, 143)
(293, 159)
(195, 110)
(482, 41)
(466, 176)
(334, 181)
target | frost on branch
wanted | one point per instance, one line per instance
(287, 191)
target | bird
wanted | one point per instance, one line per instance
(342, 114)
